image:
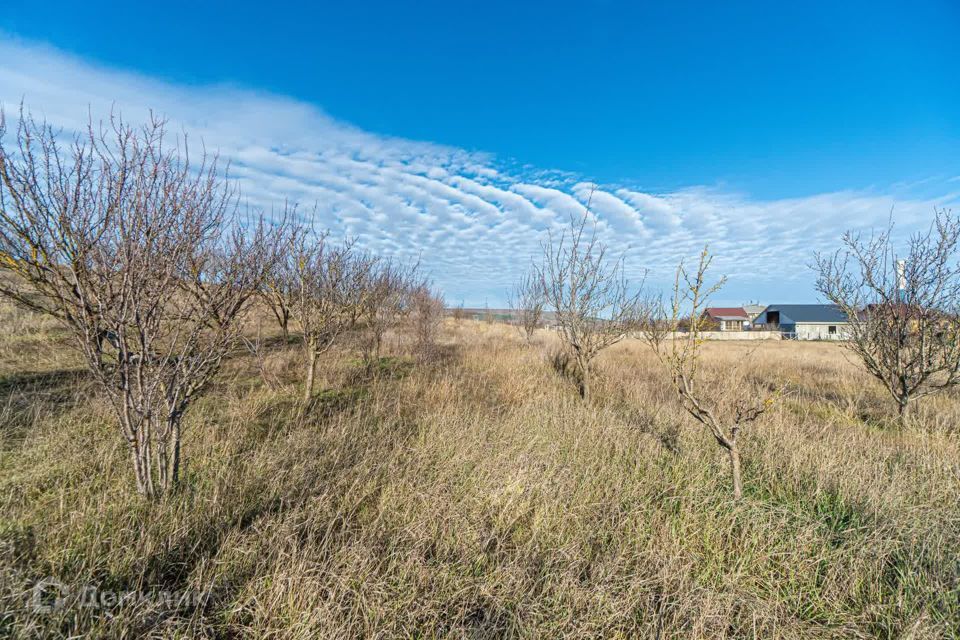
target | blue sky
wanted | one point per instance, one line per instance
(467, 129)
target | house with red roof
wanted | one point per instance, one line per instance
(726, 318)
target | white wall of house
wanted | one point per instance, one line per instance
(820, 331)
(732, 325)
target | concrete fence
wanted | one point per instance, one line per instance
(734, 335)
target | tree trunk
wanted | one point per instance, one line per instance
(138, 467)
(734, 454)
(584, 382)
(173, 457)
(162, 466)
(146, 457)
(311, 372)
(143, 469)
(283, 319)
(902, 403)
(136, 434)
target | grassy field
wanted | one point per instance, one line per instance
(476, 496)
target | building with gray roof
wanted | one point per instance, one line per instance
(805, 321)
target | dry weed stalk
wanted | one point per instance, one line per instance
(259, 349)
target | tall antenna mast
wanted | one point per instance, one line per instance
(901, 279)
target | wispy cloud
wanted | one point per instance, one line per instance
(474, 219)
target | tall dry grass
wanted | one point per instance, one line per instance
(477, 496)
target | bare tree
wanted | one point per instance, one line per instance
(526, 301)
(142, 255)
(277, 290)
(387, 299)
(589, 294)
(725, 403)
(903, 310)
(426, 318)
(328, 284)
(458, 313)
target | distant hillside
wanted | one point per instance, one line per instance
(498, 315)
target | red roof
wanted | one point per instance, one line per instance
(727, 312)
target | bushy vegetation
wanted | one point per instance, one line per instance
(472, 494)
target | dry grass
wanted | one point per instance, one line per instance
(476, 496)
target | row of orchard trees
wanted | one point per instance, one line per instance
(144, 254)
(326, 290)
(594, 307)
(903, 312)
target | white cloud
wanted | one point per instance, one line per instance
(657, 212)
(617, 214)
(476, 221)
